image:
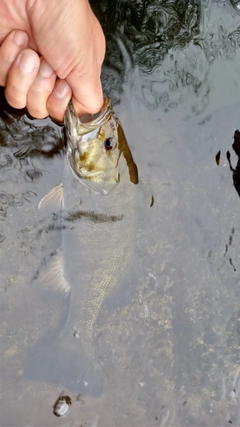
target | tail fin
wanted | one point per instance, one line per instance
(54, 361)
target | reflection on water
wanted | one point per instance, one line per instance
(169, 342)
(236, 171)
(236, 5)
(181, 50)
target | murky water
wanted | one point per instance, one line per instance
(169, 340)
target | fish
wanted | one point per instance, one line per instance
(94, 207)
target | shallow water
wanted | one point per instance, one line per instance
(169, 341)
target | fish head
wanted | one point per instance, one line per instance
(96, 145)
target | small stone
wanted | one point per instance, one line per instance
(62, 405)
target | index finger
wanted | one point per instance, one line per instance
(12, 45)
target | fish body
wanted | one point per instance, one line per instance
(95, 205)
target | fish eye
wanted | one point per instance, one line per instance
(109, 143)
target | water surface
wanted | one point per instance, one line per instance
(169, 342)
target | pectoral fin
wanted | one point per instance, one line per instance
(51, 276)
(53, 200)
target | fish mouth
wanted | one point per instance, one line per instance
(79, 126)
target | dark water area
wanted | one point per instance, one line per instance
(168, 340)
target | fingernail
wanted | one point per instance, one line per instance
(27, 63)
(45, 69)
(62, 89)
(20, 38)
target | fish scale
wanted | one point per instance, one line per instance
(106, 250)
(117, 240)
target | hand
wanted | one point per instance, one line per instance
(71, 43)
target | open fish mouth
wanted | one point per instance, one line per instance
(79, 126)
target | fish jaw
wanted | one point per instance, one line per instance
(76, 128)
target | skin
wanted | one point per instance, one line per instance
(50, 51)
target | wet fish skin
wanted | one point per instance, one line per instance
(96, 249)
(96, 165)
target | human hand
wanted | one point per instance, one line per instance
(72, 45)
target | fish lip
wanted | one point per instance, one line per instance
(76, 129)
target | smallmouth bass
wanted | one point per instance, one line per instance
(95, 206)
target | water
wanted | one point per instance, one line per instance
(170, 345)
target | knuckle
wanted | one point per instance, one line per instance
(15, 101)
(7, 58)
(34, 93)
(36, 104)
(37, 113)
